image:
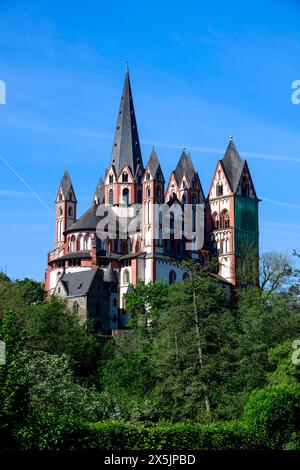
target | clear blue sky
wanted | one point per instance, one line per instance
(200, 71)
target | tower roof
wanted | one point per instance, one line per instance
(232, 165)
(126, 144)
(99, 192)
(109, 274)
(153, 163)
(65, 184)
(185, 168)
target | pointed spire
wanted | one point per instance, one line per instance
(126, 146)
(153, 163)
(185, 168)
(99, 192)
(66, 185)
(232, 165)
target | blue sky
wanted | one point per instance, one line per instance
(200, 71)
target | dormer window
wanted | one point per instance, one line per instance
(111, 179)
(125, 177)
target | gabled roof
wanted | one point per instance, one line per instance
(185, 168)
(153, 163)
(126, 144)
(232, 165)
(66, 185)
(88, 221)
(79, 283)
(99, 192)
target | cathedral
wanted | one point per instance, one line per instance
(94, 273)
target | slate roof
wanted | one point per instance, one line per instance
(126, 144)
(184, 167)
(74, 255)
(109, 274)
(79, 283)
(99, 192)
(153, 163)
(88, 221)
(65, 184)
(232, 165)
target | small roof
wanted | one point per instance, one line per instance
(232, 165)
(185, 168)
(109, 274)
(83, 254)
(79, 283)
(66, 185)
(153, 163)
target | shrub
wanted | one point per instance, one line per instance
(273, 413)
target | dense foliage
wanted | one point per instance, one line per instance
(197, 370)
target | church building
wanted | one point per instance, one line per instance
(93, 273)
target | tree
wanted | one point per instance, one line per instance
(275, 271)
(190, 344)
(52, 328)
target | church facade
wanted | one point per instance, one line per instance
(93, 272)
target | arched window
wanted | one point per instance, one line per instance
(72, 243)
(216, 223)
(60, 211)
(224, 222)
(158, 191)
(139, 196)
(126, 277)
(148, 191)
(219, 190)
(245, 186)
(111, 179)
(147, 175)
(70, 211)
(126, 196)
(172, 277)
(137, 246)
(60, 197)
(87, 243)
(80, 243)
(70, 196)
(111, 197)
(125, 177)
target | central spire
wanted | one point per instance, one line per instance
(126, 146)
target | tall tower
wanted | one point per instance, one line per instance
(65, 209)
(232, 213)
(123, 180)
(153, 196)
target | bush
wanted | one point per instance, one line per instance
(271, 421)
(69, 434)
(273, 413)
